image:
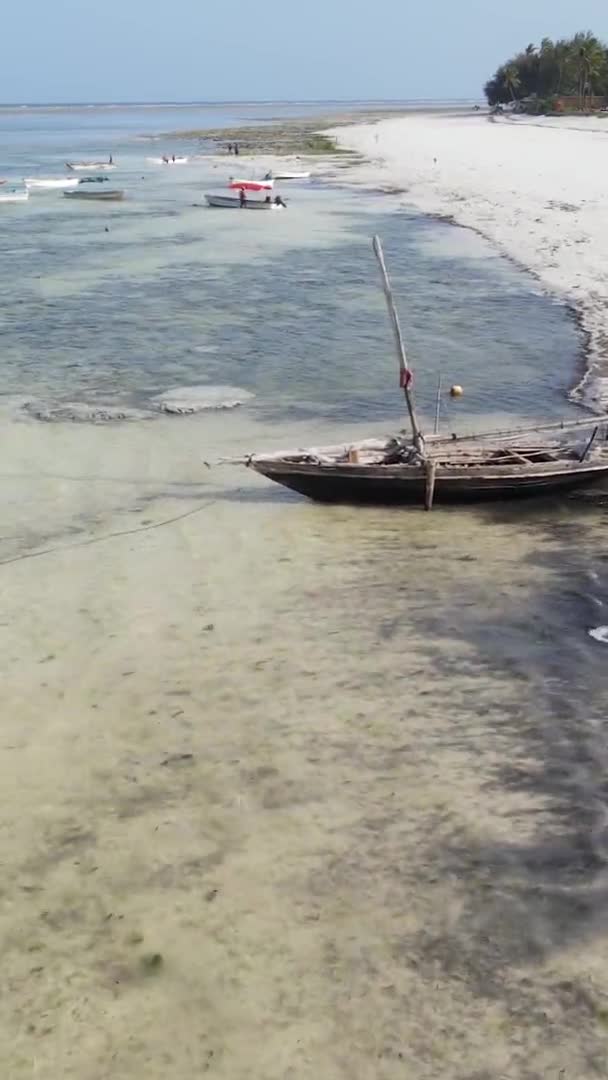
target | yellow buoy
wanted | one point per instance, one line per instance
(456, 391)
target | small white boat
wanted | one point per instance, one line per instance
(14, 195)
(252, 185)
(168, 160)
(90, 166)
(99, 194)
(290, 176)
(234, 202)
(48, 182)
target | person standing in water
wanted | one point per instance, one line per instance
(242, 198)
(236, 148)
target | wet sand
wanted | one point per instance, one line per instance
(292, 790)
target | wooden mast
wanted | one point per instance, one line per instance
(405, 373)
(437, 406)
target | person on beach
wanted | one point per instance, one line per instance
(229, 147)
(236, 148)
(111, 161)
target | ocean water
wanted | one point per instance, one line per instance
(34, 136)
(286, 790)
(112, 304)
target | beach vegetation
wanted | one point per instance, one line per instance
(305, 137)
(570, 74)
(512, 80)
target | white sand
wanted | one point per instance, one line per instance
(537, 188)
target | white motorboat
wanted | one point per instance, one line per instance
(90, 166)
(98, 194)
(48, 182)
(288, 176)
(14, 195)
(234, 202)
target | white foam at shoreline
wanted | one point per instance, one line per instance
(535, 188)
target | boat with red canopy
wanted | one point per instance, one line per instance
(251, 185)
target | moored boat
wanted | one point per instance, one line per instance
(91, 166)
(101, 195)
(235, 202)
(374, 471)
(50, 182)
(288, 176)
(459, 469)
(251, 185)
(14, 195)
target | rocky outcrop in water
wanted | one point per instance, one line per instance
(79, 412)
(183, 400)
(178, 401)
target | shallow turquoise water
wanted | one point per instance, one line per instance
(115, 303)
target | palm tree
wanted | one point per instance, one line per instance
(562, 55)
(548, 68)
(512, 80)
(590, 59)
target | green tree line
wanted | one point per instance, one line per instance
(574, 67)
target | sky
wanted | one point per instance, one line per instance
(214, 50)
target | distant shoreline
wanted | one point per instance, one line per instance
(533, 187)
(307, 136)
(16, 106)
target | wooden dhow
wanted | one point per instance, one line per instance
(412, 469)
(91, 166)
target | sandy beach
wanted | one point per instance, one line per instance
(535, 187)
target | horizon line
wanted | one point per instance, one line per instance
(229, 101)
